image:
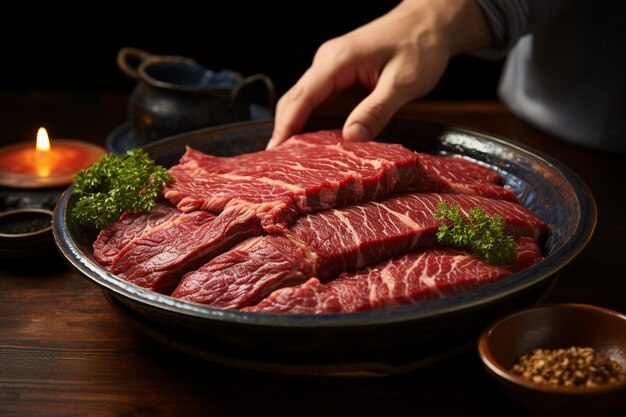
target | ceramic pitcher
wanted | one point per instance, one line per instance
(175, 94)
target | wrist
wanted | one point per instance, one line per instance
(461, 25)
(471, 29)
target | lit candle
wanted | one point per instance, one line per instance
(47, 163)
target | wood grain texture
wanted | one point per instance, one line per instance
(65, 352)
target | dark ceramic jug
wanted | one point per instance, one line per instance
(175, 94)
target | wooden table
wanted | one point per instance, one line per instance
(65, 352)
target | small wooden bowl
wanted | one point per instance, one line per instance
(553, 326)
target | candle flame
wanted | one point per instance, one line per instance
(43, 142)
(42, 161)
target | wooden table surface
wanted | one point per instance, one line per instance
(65, 352)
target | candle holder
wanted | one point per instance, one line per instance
(35, 178)
(22, 166)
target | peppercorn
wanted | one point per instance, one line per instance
(571, 367)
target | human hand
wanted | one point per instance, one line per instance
(397, 58)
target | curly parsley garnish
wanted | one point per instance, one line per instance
(478, 233)
(115, 184)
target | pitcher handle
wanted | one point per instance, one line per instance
(269, 84)
(129, 59)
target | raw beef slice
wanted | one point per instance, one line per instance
(131, 226)
(418, 276)
(317, 171)
(163, 251)
(309, 172)
(455, 174)
(327, 243)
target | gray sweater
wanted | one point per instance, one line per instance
(565, 71)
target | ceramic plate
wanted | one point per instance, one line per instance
(376, 342)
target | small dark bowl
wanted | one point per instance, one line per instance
(555, 326)
(26, 233)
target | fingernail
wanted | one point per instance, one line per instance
(270, 144)
(359, 132)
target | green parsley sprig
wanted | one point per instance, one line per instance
(115, 184)
(482, 235)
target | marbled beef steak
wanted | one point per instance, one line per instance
(267, 201)
(418, 276)
(330, 242)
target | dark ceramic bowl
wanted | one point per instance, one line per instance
(552, 327)
(26, 233)
(377, 342)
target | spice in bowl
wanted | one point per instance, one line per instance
(560, 346)
(571, 367)
(25, 234)
(25, 222)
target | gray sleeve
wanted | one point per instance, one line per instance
(509, 22)
(512, 19)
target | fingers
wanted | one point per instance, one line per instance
(294, 108)
(385, 55)
(371, 116)
(332, 70)
(290, 116)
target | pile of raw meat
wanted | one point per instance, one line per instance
(317, 225)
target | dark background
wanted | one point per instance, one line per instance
(57, 47)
